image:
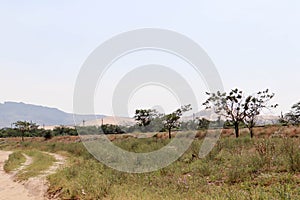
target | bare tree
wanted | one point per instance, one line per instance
(255, 104)
(231, 106)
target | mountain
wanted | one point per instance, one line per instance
(11, 112)
(267, 119)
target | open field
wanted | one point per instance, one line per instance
(243, 168)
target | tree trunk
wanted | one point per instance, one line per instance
(22, 136)
(236, 129)
(170, 136)
(251, 131)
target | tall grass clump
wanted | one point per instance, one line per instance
(15, 160)
(40, 162)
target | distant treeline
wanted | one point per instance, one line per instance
(37, 132)
(238, 110)
(33, 130)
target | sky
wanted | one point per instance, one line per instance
(43, 44)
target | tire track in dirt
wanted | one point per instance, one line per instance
(9, 189)
(39, 185)
(34, 188)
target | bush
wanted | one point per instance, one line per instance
(48, 135)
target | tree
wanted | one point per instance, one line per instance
(232, 106)
(64, 130)
(282, 120)
(171, 120)
(47, 134)
(145, 116)
(111, 129)
(293, 116)
(203, 123)
(23, 126)
(33, 126)
(255, 104)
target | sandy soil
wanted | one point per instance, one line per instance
(33, 189)
(8, 188)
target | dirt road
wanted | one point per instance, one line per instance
(8, 188)
(33, 189)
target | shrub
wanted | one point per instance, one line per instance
(48, 135)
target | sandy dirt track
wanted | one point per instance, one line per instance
(8, 188)
(33, 189)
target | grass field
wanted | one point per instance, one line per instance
(243, 168)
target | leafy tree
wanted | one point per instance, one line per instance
(64, 130)
(23, 126)
(111, 129)
(156, 125)
(203, 123)
(282, 120)
(232, 106)
(293, 116)
(171, 120)
(255, 104)
(47, 134)
(145, 116)
(33, 126)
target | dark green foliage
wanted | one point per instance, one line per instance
(231, 106)
(143, 117)
(238, 109)
(156, 125)
(255, 104)
(47, 134)
(171, 120)
(63, 130)
(203, 123)
(24, 126)
(31, 130)
(111, 129)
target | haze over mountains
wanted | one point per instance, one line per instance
(11, 112)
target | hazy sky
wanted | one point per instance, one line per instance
(254, 44)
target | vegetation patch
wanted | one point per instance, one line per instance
(41, 162)
(240, 168)
(15, 160)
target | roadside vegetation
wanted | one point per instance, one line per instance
(15, 160)
(40, 162)
(243, 168)
(248, 162)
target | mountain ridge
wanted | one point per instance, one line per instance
(11, 112)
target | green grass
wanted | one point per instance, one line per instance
(241, 168)
(40, 163)
(15, 160)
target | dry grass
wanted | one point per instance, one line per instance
(15, 160)
(244, 168)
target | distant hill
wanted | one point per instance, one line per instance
(11, 112)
